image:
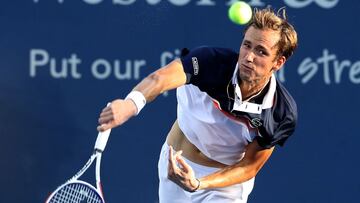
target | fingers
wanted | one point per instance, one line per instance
(181, 172)
(104, 119)
(106, 111)
(115, 114)
(103, 127)
(184, 166)
(174, 172)
(173, 158)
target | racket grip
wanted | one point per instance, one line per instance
(102, 138)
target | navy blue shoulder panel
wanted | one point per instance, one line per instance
(279, 121)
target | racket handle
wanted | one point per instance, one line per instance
(102, 138)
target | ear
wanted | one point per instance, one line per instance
(278, 63)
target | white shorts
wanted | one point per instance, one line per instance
(169, 192)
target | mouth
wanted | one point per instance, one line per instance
(245, 67)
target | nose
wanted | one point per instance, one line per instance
(249, 56)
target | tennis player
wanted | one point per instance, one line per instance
(231, 114)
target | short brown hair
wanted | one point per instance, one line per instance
(268, 19)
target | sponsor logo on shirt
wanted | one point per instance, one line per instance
(255, 122)
(195, 65)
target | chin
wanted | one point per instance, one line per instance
(246, 78)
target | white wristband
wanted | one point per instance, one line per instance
(138, 98)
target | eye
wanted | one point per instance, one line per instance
(262, 52)
(246, 45)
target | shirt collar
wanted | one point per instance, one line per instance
(250, 107)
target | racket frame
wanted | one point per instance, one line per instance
(99, 147)
(75, 179)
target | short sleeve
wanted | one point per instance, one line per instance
(203, 65)
(280, 121)
(196, 61)
(279, 134)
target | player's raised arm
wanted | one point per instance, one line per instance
(166, 78)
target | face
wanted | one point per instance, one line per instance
(257, 59)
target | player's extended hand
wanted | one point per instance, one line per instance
(115, 114)
(181, 173)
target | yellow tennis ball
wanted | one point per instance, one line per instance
(240, 13)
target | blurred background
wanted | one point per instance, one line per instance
(61, 61)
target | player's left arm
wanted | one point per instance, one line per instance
(254, 159)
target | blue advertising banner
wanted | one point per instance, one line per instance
(61, 61)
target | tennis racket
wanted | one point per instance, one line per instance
(78, 191)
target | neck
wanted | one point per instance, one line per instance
(249, 89)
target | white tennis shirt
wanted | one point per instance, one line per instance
(215, 134)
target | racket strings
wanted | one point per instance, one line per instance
(76, 193)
